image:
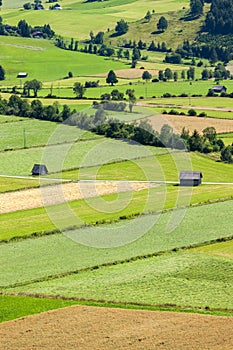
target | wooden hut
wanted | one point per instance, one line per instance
(39, 169)
(190, 178)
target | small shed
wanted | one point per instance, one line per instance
(190, 178)
(39, 169)
(219, 88)
(57, 7)
(22, 75)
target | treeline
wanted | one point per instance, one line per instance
(23, 29)
(23, 108)
(143, 133)
(219, 20)
(213, 52)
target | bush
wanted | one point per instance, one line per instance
(173, 112)
(202, 114)
(167, 94)
(192, 112)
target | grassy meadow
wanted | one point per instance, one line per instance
(63, 254)
(164, 246)
(24, 306)
(80, 15)
(188, 279)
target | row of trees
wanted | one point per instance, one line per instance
(220, 72)
(144, 133)
(25, 30)
(205, 143)
(23, 108)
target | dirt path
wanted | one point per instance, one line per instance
(92, 328)
(49, 195)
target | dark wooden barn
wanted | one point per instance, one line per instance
(190, 178)
(39, 169)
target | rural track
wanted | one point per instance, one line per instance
(73, 190)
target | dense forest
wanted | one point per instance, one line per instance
(219, 19)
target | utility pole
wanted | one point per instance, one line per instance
(24, 138)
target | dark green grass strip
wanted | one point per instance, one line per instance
(17, 305)
(12, 307)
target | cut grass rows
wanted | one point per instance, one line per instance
(93, 210)
(182, 278)
(36, 258)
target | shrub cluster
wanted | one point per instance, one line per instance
(23, 108)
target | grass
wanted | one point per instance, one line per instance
(210, 102)
(227, 138)
(209, 113)
(90, 15)
(163, 166)
(57, 254)
(224, 249)
(15, 184)
(108, 207)
(12, 307)
(45, 62)
(175, 88)
(186, 279)
(34, 132)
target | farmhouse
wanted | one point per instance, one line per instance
(37, 35)
(219, 88)
(39, 169)
(190, 178)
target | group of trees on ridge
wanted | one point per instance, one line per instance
(102, 125)
(24, 30)
(143, 133)
(22, 107)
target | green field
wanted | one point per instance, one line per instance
(45, 62)
(149, 90)
(224, 249)
(227, 138)
(109, 207)
(209, 113)
(24, 306)
(53, 255)
(166, 246)
(164, 166)
(34, 133)
(83, 17)
(188, 279)
(211, 102)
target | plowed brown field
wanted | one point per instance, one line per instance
(92, 328)
(190, 123)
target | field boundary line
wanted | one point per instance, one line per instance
(117, 262)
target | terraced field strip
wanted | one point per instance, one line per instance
(33, 259)
(55, 194)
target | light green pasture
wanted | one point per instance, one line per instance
(41, 257)
(183, 279)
